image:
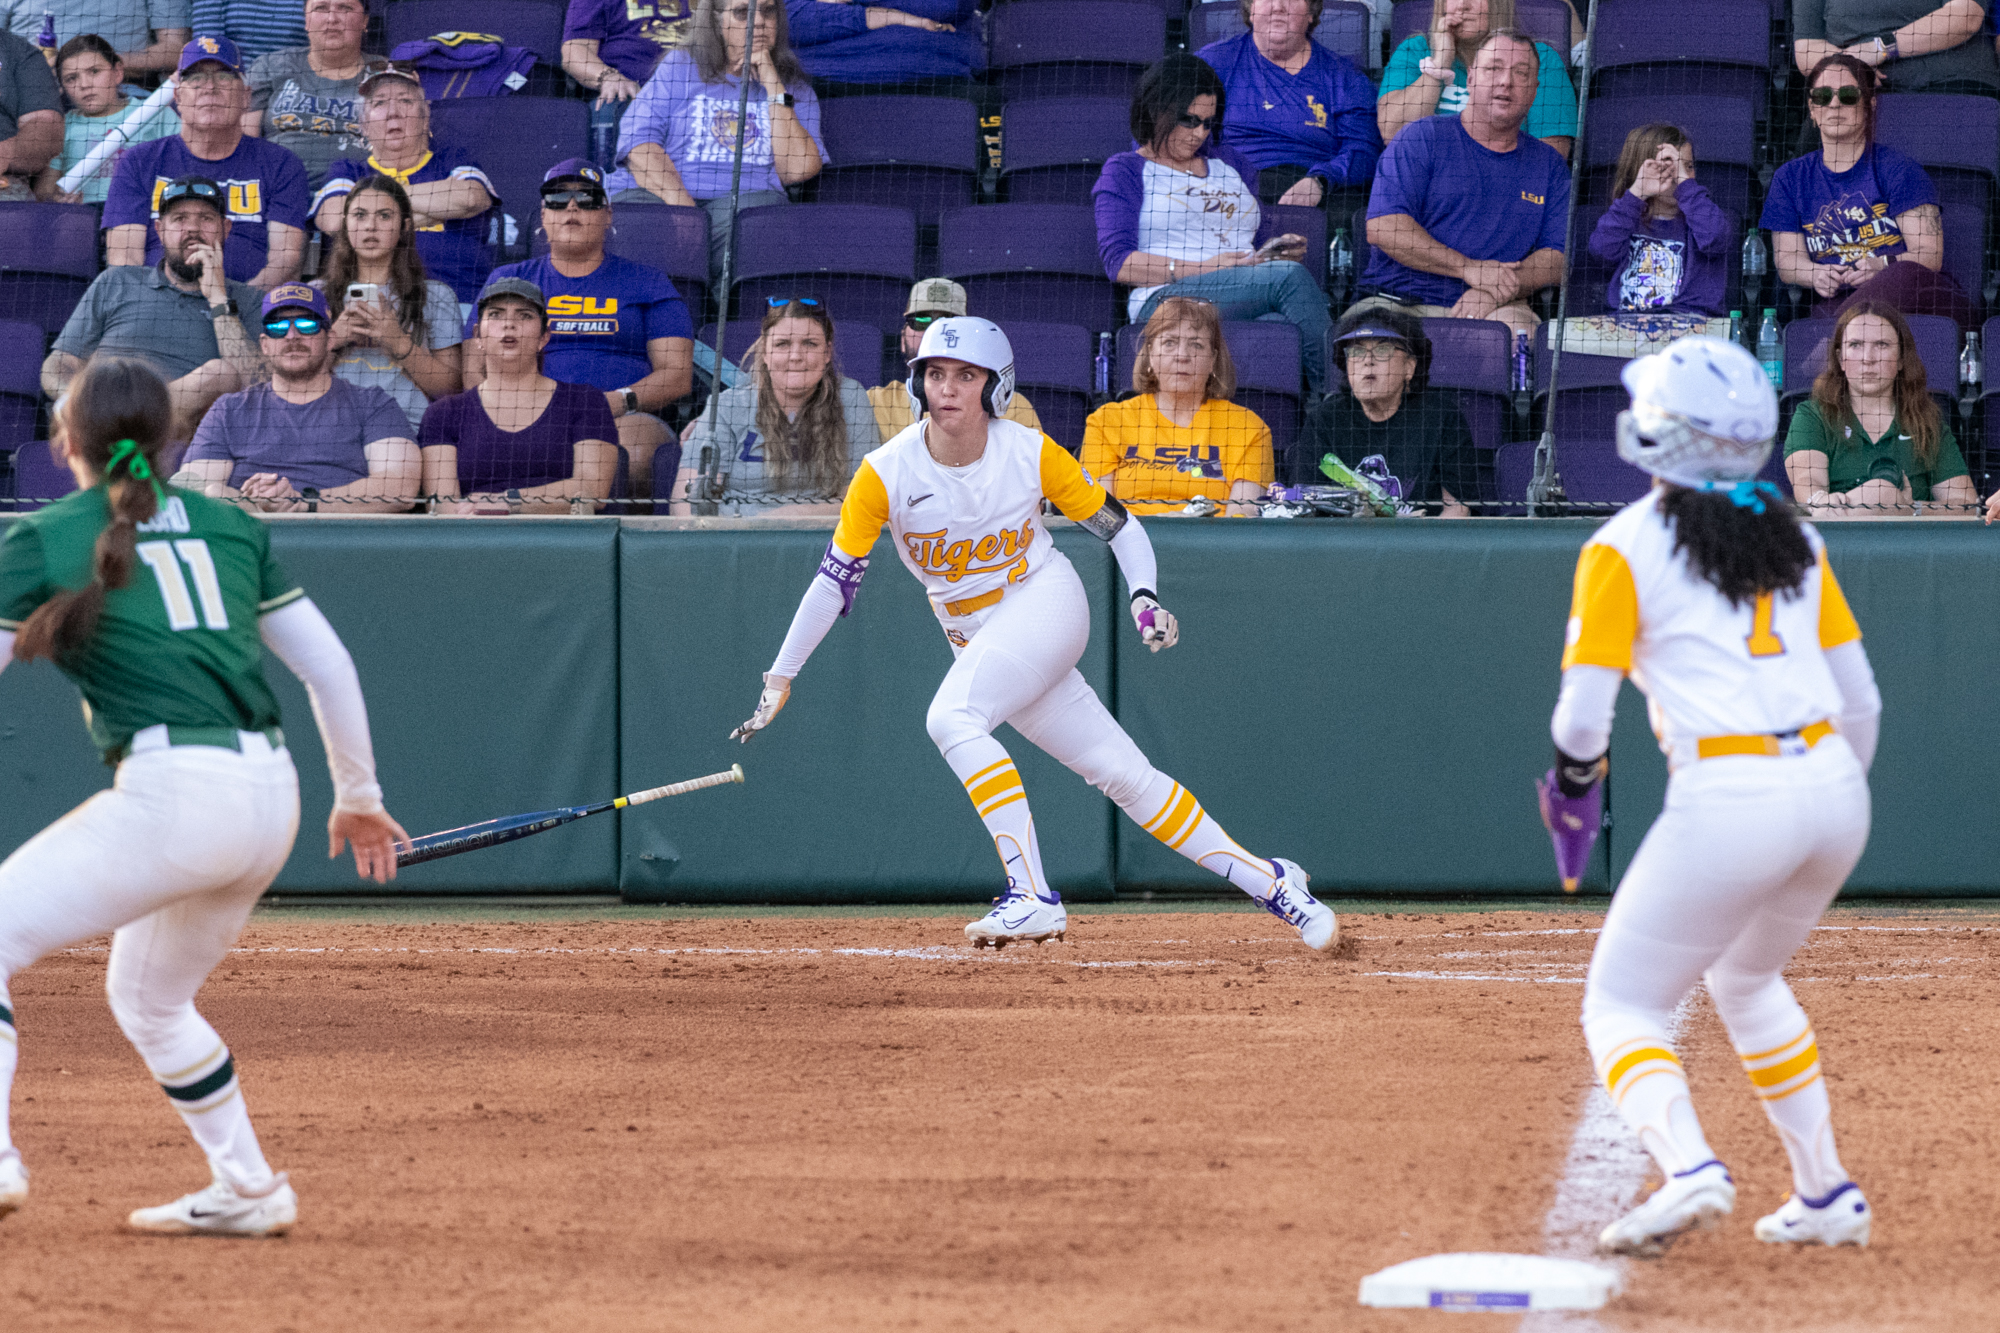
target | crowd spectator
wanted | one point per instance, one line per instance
(183, 315)
(308, 98)
(1669, 241)
(265, 183)
(678, 142)
(449, 194)
(1871, 440)
(859, 47)
(612, 47)
(1304, 116)
(1390, 424)
(1467, 214)
(145, 35)
(305, 441)
(403, 336)
(1180, 437)
(520, 442)
(1855, 220)
(91, 73)
(612, 323)
(31, 118)
(1430, 74)
(788, 440)
(931, 300)
(1179, 216)
(257, 27)
(1919, 46)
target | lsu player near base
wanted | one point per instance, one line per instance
(961, 493)
(1721, 606)
(158, 604)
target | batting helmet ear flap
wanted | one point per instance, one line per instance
(999, 392)
(914, 386)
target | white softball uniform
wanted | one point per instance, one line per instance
(1767, 811)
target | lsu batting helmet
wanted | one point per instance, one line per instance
(977, 342)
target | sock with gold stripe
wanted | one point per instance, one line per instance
(994, 785)
(1775, 1042)
(1649, 1088)
(1170, 813)
(10, 1057)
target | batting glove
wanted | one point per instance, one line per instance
(1157, 627)
(777, 689)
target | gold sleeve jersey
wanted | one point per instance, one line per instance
(965, 531)
(1707, 668)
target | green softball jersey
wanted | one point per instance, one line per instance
(178, 643)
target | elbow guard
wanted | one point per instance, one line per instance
(845, 571)
(1108, 520)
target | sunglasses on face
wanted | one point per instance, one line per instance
(590, 201)
(780, 302)
(922, 322)
(307, 325)
(1847, 95)
(1187, 120)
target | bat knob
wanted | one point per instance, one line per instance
(737, 769)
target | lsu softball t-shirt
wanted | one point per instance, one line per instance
(600, 323)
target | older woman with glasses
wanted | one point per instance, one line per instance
(678, 142)
(1855, 220)
(448, 192)
(1180, 217)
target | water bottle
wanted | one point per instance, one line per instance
(604, 144)
(1736, 327)
(1771, 349)
(1970, 371)
(1523, 374)
(1103, 366)
(1756, 263)
(1340, 264)
(47, 40)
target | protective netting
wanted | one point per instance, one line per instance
(1277, 257)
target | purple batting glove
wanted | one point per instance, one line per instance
(1572, 822)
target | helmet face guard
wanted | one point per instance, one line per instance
(977, 342)
(1703, 413)
(1676, 450)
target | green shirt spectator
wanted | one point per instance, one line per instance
(1853, 459)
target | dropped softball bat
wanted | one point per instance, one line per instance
(493, 832)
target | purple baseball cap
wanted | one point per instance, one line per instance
(1360, 331)
(219, 49)
(575, 169)
(295, 295)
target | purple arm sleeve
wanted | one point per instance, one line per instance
(1613, 234)
(845, 571)
(1708, 226)
(1118, 195)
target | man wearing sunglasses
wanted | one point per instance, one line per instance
(305, 441)
(182, 315)
(931, 300)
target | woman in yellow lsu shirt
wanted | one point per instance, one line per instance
(1181, 436)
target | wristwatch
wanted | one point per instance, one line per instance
(310, 495)
(783, 99)
(631, 399)
(1887, 50)
(227, 306)
(513, 499)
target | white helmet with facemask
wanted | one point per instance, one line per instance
(1703, 414)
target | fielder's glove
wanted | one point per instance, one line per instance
(777, 689)
(1157, 627)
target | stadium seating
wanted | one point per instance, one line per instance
(1055, 148)
(1544, 20)
(535, 24)
(670, 237)
(1053, 366)
(1309, 222)
(858, 258)
(1342, 27)
(48, 255)
(21, 350)
(515, 140)
(1266, 353)
(919, 153)
(1475, 357)
(38, 477)
(1708, 48)
(1957, 140)
(857, 346)
(1582, 410)
(1028, 261)
(1073, 48)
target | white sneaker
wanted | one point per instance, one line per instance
(1694, 1199)
(220, 1210)
(1290, 903)
(1019, 916)
(1841, 1218)
(13, 1182)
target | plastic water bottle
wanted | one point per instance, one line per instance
(1103, 365)
(1971, 369)
(1340, 263)
(1771, 349)
(604, 144)
(1523, 363)
(1736, 327)
(1756, 263)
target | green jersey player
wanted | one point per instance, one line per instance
(158, 603)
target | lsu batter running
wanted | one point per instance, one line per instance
(961, 494)
(1720, 604)
(158, 603)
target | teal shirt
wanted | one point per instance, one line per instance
(1553, 114)
(82, 133)
(178, 644)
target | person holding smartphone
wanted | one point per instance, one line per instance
(1179, 216)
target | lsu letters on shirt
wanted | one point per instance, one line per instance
(1707, 668)
(965, 532)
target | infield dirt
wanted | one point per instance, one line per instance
(1171, 1121)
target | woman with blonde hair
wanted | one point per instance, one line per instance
(1871, 441)
(790, 438)
(1180, 437)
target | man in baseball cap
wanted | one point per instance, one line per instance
(931, 300)
(219, 50)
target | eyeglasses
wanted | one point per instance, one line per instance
(1383, 352)
(560, 200)
(780, 302)
(741, 13)
(923, 321)
(307, 325)
(210, 78)
(1187, 120)
(1847, 93)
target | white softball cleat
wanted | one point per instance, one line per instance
(1692, 1200)
(1017, 917)
(220, 1210)
(1841, 1218)
(1292, 904)
(13, 1182)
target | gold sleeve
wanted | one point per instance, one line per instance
(1064, 484)
(1603, 612)
(862, 513)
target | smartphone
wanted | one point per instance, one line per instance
(362, 291)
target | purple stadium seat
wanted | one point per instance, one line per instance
(21, 351)
(1593, 473)
(1475, 357)
(1590, 278)
(1056, 147)
(38, 478)
(1711, 48)
(1053, 366)
(919, 153)
(1028, 261)
(858, 258)
(1957, 140)
(858, 347)
(1306, 221)
(1722, 130)
(1342, 27)
(1073, 48)
(535, 24)
(671, 237)
(1266, 353)
(1513, 470)
(515, 140)
(1582, 413)
(48, 255)
(1544, 20)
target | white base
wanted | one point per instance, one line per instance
(1491, 1282)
